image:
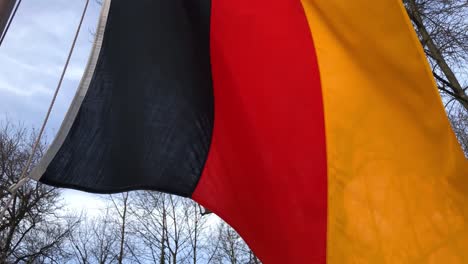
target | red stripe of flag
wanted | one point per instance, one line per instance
(266, 172)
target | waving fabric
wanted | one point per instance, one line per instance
(312, 127)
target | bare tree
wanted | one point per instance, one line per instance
(149, 226)
(104, 239)
(171, 228)
(177, 231)
(459, 119)
(229, 247)
(120, 204)
(95, 240)
(442, 28)
(196, 227)
(33, 229)
(80, 242)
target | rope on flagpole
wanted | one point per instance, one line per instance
(23, 178)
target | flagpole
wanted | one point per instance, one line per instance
(6, 8)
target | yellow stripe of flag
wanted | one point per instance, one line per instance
(398, 180)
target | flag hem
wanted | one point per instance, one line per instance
(72, 112)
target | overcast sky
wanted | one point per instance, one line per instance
(31, 60)
(33, 54)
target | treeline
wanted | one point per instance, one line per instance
(152, 227)
(135, 227)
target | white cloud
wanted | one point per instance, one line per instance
(91, 204)
(34, 52)
(29, 91)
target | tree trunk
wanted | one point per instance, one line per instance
(452, 82)
(11, 232)
(163, 238)
(195, 242)
(122, 231)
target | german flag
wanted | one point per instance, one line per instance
(312, 127)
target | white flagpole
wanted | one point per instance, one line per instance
(6, 8)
